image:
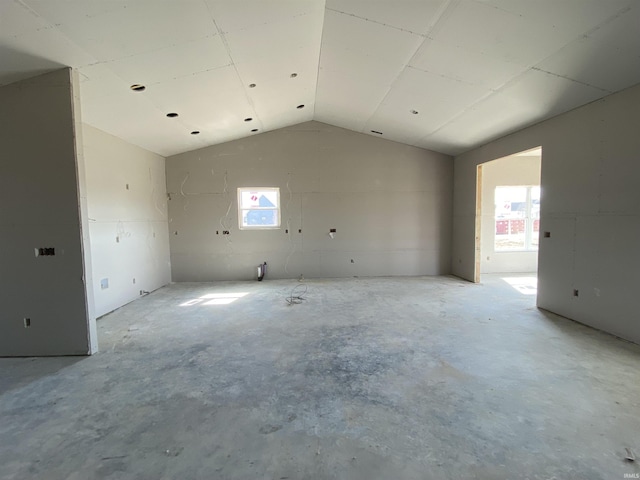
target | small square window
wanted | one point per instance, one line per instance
(258, 208)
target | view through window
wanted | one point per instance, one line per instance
(258, 208)
(517, 219)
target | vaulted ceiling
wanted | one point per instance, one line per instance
(446, 75)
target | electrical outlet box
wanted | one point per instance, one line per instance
(45, 252)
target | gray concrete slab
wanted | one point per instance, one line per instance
(367, 378)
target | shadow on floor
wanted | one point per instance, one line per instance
(18, 372)
(585, 333)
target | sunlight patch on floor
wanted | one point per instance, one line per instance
(524, 285)
(215, 299)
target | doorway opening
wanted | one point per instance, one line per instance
(508, 214)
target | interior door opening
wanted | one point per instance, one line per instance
(508, 200)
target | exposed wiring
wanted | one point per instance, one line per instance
(225, 194)
(186, 177)
(121, 232)
(224, 220)
(155, 203)
(292, 246)
(290, 193)
(297, 294)
(182, 191)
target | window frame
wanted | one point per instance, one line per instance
(275, 209)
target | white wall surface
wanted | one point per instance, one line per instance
(513, 170)
(127, 210)
(390, 204)
(39, 186)
(590, 205)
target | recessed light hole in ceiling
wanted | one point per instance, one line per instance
(293, 75)
(415, 112)
(254, 130)
(252, 85)
(300, 106)
(136, 87)
(248, 119)
(172, 115)
(377, 132)
(195, 132)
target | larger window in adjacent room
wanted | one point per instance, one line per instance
(258, 208)
(517, 220)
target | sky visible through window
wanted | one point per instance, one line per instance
(258, 208)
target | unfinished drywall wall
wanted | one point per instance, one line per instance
(43, 301)
(127, 210)
(512, 170)
(389, 203)
(590, 208)
(83, 210)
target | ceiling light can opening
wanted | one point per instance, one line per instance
(136, 87)
(254, 130)
(248, 119)
(172, 115)
(300, 106)
(195, 132)
(415, 112)
(252, 85)
(293, 75)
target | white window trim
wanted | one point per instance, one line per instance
(276, 208)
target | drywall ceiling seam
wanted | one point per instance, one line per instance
(98, 62)
(315, 93)
(564, 77)
(235, 68)
(53, 26)
(335, 10)
(446, 8)
(95, 62)
(534, 67)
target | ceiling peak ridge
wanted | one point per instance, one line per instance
(444, 12)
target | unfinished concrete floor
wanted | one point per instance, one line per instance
(385, 378)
